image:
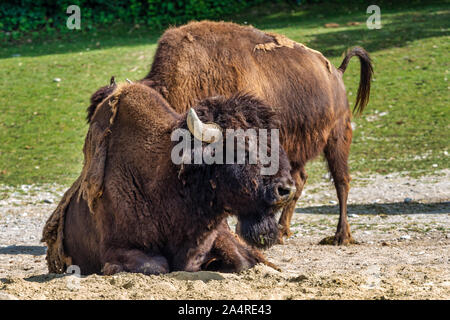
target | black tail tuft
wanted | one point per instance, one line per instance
(362, 98)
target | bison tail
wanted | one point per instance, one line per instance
(362, 97)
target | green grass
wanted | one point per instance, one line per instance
(42, 122)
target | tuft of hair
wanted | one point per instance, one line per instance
(362, 98)
(100, 95)
(240, 111)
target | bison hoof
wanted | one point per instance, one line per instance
(280, 240)
(283, 233)
(149, 268)
(273, 266)
(338, 240)
(111, 268)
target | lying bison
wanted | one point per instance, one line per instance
(133, 209)
(203, 59)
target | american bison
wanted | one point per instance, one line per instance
(203, 59)
(133, 209)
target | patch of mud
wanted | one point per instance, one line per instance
(402, 226)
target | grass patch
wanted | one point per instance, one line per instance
(404, 128)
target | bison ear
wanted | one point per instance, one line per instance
(95, 150)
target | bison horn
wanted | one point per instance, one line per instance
(207, 132)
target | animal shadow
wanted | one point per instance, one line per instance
(31, 250)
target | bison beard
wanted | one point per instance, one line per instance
(261, 232)
(132, 209)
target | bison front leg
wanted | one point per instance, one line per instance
(284, 223)
(230, 254)
(133, 260)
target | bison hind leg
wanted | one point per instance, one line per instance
(135, 261)
(111, 268)
(154, 265)
(337, 152)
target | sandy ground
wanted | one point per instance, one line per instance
(402, 226)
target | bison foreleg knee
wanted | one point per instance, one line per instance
(234, 254)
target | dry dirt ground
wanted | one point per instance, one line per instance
(402, 226)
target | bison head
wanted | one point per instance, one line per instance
(227, 131)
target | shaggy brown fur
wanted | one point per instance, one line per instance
(132, 209)
(203, 59)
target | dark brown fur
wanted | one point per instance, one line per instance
(132, 209)
(203, 59)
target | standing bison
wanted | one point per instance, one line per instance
(133, 209)
(203, 59)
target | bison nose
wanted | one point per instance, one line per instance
(284, 192)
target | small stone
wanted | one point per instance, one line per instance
(166, 286)
(57, 80)
(353, 215)
(197, 285)
(7, 296)
(204, 276)
(299, 278)
(405, 237)
(407, 200)
(333, 202)
(128, 285)
(434, 165)
(48, 201)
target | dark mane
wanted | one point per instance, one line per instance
(240, 111)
